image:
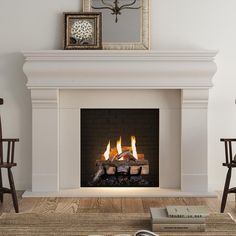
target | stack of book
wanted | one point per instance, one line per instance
(179, 218)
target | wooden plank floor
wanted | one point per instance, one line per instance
(107, 205)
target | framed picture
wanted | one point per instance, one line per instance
(82, 30)
(129, 29)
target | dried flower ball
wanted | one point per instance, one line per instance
(82, 30)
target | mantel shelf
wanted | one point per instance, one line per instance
(119, 55)
(64, 69)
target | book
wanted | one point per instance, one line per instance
(187, 211)
(179, 227)
(160, 216)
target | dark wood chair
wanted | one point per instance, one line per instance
(229, 163)
(7, 164)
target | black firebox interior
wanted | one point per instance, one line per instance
(99, 126)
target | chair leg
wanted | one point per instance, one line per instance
(1, 193)
(13, 190)
(226, 189)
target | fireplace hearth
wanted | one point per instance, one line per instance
(119, 147)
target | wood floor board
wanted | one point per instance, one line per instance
(161, 202)
(89, 202)
(27, 204)
(110, 205)
(132, 205)
(46, 205)
(100, 224)
(67, 205)
(8, 205)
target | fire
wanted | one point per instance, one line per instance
(122, 153)
(133, 145)
(118, 146)
(107, 152)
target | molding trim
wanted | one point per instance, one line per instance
(119, 55)
(120, 69)
(44, 99)
(195, 98)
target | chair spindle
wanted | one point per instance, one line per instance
(8, 151)
(12, 152)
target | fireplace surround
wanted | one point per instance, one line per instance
(64, 82)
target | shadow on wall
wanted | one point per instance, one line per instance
(16, 114)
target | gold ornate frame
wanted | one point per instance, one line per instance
(144, 43)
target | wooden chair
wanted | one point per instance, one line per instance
(230, 163)
(8, 164)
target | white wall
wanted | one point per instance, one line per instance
(176, 24)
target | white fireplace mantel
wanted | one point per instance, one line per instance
(49, 72)
(120, 69)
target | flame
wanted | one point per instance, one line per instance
(107, 152)
(113, 152)
(118, 146)
(133, 144)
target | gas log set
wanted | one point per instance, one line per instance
(121, 167)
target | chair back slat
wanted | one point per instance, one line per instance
(226, 153)
(8, 151)
(228, 150)
(12, 151)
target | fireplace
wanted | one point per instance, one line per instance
(119, 147)
(67, 84)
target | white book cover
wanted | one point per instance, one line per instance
(160, 216)
(187, 211)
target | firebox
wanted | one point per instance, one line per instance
(119, 147)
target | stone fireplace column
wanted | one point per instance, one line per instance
(45, 132)
(194, 159)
